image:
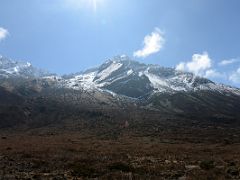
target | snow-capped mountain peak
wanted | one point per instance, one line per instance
(124, 76)
(121, 75)
(10, 68)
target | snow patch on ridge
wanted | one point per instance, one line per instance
(129, 72)
(84, 81)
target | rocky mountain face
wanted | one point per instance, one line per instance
(124, 76)
(164, 89)
(10, 68)
(119, 75)
(119, 83)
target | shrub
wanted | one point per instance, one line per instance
(84, 170)
(233, 171)
(207, 164)
(120, 166)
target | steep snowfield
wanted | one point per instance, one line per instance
(108, 71)
(156, 81)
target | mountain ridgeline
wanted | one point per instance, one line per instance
(34, 98)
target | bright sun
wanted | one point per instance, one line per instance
(84, 3)
(94, 4)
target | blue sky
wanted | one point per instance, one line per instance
(64, 36)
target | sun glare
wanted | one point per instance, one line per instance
(93, 4)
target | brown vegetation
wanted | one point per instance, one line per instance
(82, 155)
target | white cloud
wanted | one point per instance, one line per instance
(227, 62)
(181, 66)
(3, 33)
(202, 65)
(199, 64)
(152, 44)
(235, 77)
(212, 73)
